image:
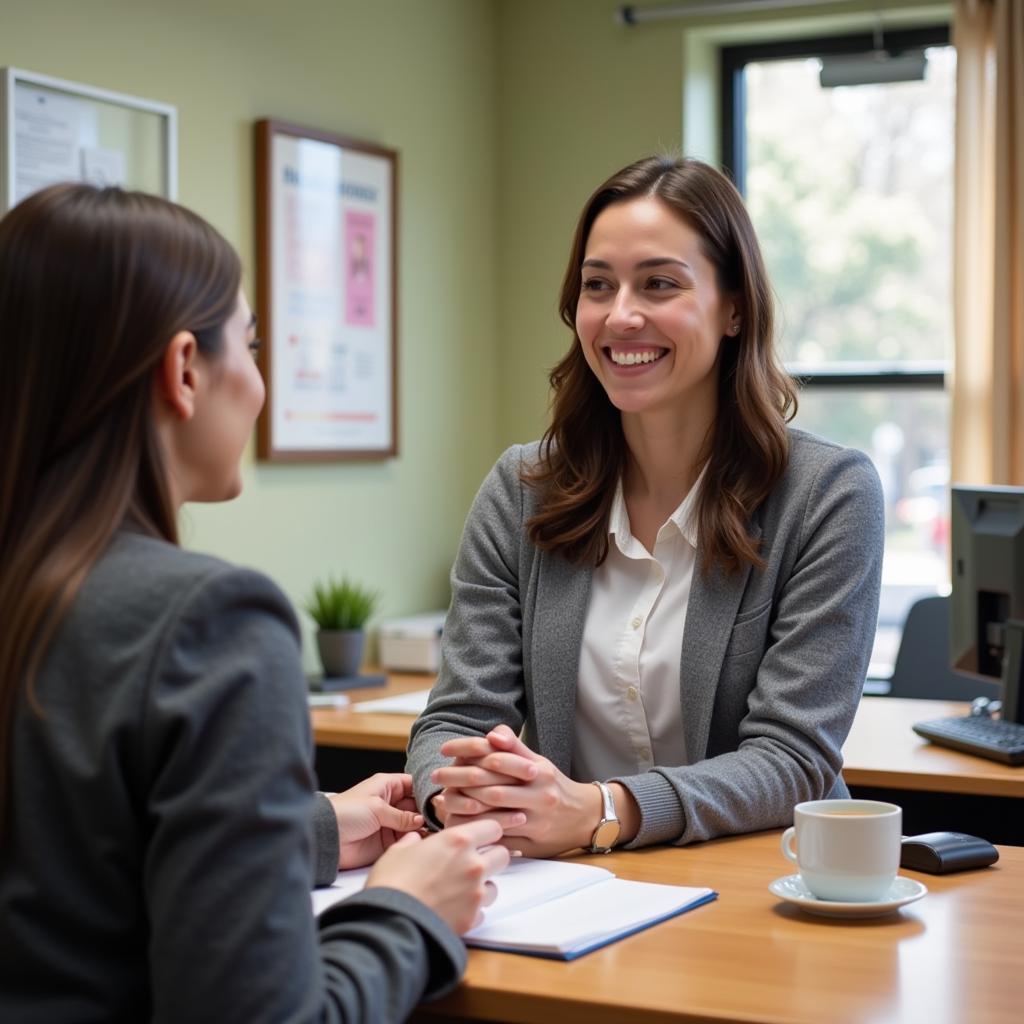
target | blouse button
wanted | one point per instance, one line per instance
(636, 622)
(631, 692)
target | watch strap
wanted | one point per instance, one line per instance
(608, 817)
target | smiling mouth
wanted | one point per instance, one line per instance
(635, 357)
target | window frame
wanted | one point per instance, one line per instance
(732, 62)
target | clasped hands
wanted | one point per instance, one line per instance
(542, 812)
(378, 824)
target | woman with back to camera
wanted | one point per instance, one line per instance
(672, 596)
(156, 785)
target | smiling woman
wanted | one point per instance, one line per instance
(662, 613)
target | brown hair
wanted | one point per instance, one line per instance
(583, 452)
(94, 283)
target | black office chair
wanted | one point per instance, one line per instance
(922, 663)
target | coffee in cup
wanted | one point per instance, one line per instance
(847, 850)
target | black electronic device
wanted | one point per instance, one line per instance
(939, 853)
(987, 604)
(987, 618)
(987, 737)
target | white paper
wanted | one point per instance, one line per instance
(586, 917)
(346, 884)
(413, 703)
(102, 167)
(328, 700)
(50, 129)
(526, 881)
(522, 884)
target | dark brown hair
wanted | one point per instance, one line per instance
(94, 283)
(583, 453)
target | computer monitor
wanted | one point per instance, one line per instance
(987, 604)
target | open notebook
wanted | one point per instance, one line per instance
(555, 909)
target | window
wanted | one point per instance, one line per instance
(850, 185)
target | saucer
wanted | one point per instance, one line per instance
(791, 888)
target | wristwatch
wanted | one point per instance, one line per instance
(607, 832)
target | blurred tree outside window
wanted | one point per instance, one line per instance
(850, 188)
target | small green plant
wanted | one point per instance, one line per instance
(341, 604)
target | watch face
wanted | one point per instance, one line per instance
(606, 834)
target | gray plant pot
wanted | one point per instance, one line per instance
(341, 652)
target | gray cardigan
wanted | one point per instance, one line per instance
(773, 661)
(157, 857)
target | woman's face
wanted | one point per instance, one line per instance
(227, 403)
(650, 316)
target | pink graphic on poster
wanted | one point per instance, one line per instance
(359, 268)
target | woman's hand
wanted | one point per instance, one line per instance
(447, 871)
(541, 810)
(372, 816)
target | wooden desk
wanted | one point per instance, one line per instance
(343, 727)
(951, 958)
(881, 751)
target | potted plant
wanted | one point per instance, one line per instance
(340, 608)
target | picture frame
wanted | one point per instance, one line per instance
(56, 130)
(327, 287)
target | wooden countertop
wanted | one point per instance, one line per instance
(881, 749)
(954, 956)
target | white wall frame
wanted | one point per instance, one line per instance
(49, 151)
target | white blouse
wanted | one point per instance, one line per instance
(628, 703)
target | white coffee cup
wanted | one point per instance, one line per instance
(847, 850)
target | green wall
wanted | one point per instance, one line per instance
(417, 76)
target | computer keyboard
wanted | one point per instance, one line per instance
(986, 737)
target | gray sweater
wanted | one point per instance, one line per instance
(157, 856)
(772, 665)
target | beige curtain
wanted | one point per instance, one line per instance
(987, 443)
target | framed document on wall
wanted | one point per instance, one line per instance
(327, 228)
(55, 130)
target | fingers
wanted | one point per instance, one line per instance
(397, 819)
(506, 819)
(512, 765)
(464, 777)
(515, 824)
(502, 737)
(479, 832)
(392, 786)
(487, 800)
(516, 766)
(437, 801)
(459, 804)
(471, 747)
(409, 839)
(516, 797)
(495, 859)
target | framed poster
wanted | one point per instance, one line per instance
(54, 130)
(327, 228)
